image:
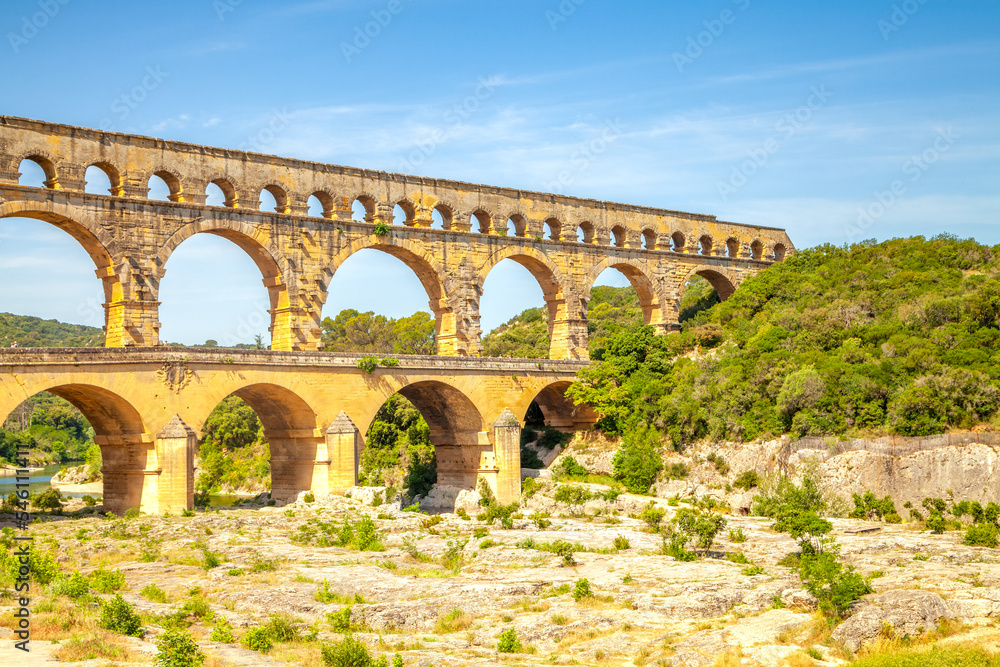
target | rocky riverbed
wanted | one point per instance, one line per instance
(444, 587)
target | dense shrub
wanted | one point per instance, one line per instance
(119, 616)
(637, 462)
(981, 535)
(349, 652)
(509, 642)
(176, 648)
(258, 639)
(869, 507)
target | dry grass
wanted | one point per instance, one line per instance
(731, 658)
(100, 644)
(799, 659)
(60, 618)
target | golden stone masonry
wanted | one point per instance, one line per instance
(148, 402)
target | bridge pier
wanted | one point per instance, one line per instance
(176, 444)
(130, 472)
(297, 462)
(507, 452)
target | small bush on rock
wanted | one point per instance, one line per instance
(509, 642)
(176, 648)
(119, 616)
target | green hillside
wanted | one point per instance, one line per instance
(36, 332)
(894, 337)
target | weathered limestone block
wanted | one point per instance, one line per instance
(908, 612)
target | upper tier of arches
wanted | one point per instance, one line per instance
(183, 172)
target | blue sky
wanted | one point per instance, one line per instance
(800, 115)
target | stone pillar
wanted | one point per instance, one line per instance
(175, 447)
(507, 455)
(297, 205)
(568, 339)
(342, 443)
(130, 472)
(131, 322)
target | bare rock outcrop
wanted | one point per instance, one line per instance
(906, 612)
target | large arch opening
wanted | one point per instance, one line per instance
(261, 438)
(551, 407)
(716, 281)
(508, 285)
(89, 425)
(386, 299)
(47, 265)
(209, 292)
(620, 296)
(426, 440)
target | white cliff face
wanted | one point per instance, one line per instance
(962, 472)
(965, 473)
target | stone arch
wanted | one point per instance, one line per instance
(649, 239)
(327, 201)
(292, 430)
(447, 212)
(757, 249)
(706, 245)
(229, 190)
(456, 430)
(619, 236)
(280, 197)
(561, 310)
(173, 181)
(484, 219)
(520, 223)
(779, 252)
(47, 164)
(97, 242)
(554, 227)
(120, 432)
(258, 246)
(113, 174)
(369, 202)
(732, 247)
(677, 240)
(450, 341)
(587, 227)
(650, 297)
(409, 208)
(559, 410)
(720, 279)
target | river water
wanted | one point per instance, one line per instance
(40, 480)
